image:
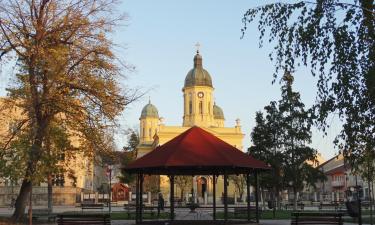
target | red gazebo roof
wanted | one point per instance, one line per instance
(196, 151)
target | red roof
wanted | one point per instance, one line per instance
(193, 152)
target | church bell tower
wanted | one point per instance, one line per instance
(198, 96)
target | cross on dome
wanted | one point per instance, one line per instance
(198, 46)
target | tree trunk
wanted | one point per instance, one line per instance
(262, 198)
(370, 197)
(34, 153)
(21, 201)
(49, 189)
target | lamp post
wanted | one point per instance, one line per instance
(109, 174)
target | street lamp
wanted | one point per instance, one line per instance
(109, 174)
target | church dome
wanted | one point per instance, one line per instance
(218, 112)
(149, 111)
(198, 76)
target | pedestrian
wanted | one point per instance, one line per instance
(161, 201)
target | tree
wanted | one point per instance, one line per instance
(337, 40)
(265, 138)
(295, 128)
(67, 74)
(184, 183)
(239, 183)
(281, 139)
(129, 154)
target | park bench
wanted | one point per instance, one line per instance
(318, 218)
(365, 204)
(131, 208)
(39, 214)
(92, 206)
(334, 205)
(80, 219)
(300, 205)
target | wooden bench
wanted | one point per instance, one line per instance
(80, 219)
(43, 213)
(92, 206)
(334, 205)
(300, 205)
(131, 208)
(318, 218)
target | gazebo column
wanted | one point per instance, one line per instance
(137, 199)
(225, 196)
(214, 195)
(171, 197)
(248, 195)
(140, 197)
(256, 197)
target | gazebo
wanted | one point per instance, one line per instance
(197, 152)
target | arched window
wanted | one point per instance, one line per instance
(149, 133)
(190, 104)
(200, 107)
(209, 107)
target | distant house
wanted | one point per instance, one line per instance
(340, 179)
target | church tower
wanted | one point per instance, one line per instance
(148, 123)
(198, 96)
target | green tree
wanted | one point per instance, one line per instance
(336, 39)
(295, 128)
(265, 138)
(129, 155)
(67, 74)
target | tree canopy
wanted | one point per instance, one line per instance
(281, 139)
(336, 39)
(67, 74)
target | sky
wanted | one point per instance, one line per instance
(158, 39)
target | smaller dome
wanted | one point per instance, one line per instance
(149, 111)
(218, 112)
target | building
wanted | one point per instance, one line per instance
(340, 180)
(80, 173)
(201, 110)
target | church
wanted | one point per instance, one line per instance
(201, 110)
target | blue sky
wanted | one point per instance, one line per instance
(159, 40)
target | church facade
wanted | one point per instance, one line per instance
(200, 110)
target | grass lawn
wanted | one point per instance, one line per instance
(279, 215)
(124, 216)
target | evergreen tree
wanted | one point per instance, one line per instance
(129, 155)
(265, 137)
(295, 130)
(281, 139)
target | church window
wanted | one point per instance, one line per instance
(143, 132)
(209, 107)
(149, 133)
(190, 104)
(200, 107)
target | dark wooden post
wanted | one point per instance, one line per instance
(248, 195)
(137, 199)
(225, 196)
(256, 197)
(214, 195)
(140, 197)
(171, 197)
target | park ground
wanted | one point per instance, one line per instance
(119, 217)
